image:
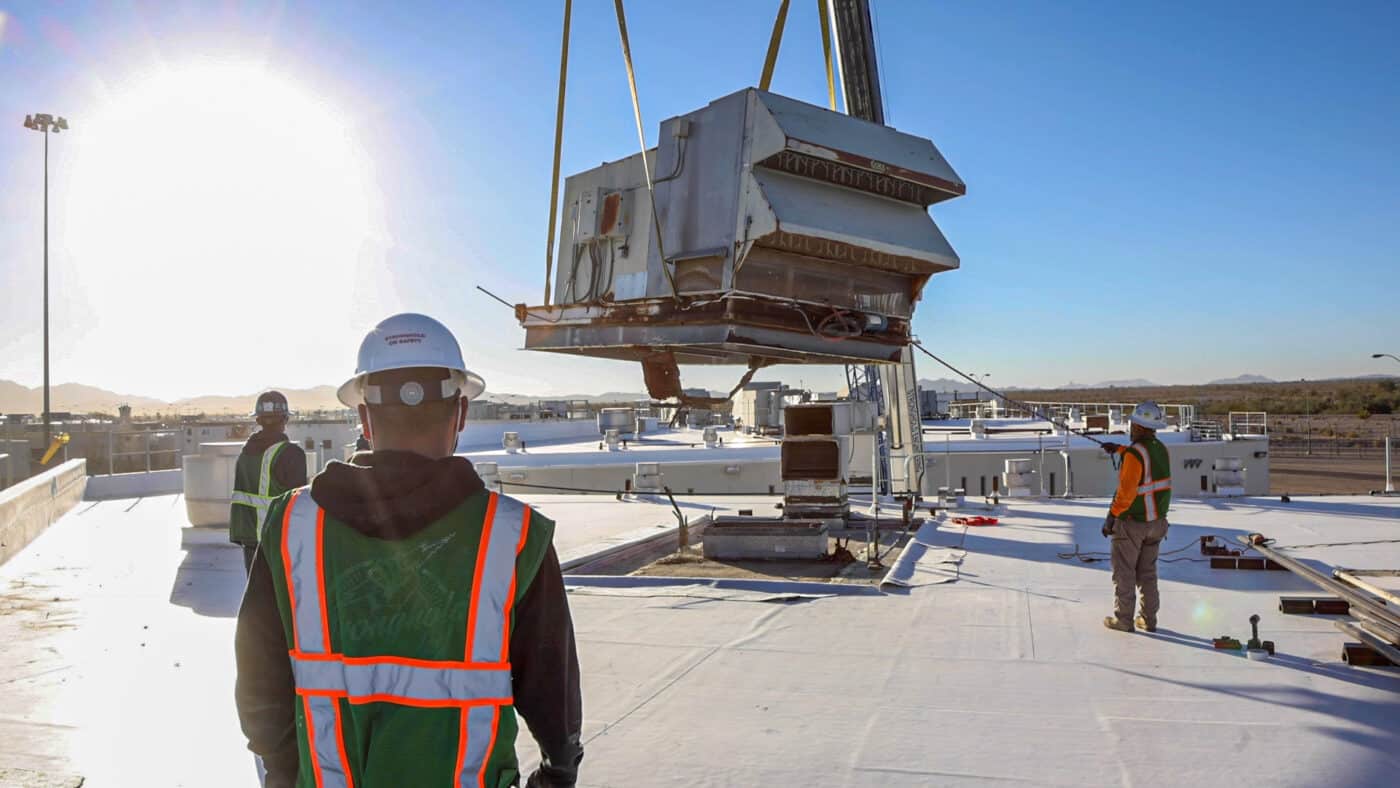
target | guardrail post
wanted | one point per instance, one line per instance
(148, 451)
(1389, 484)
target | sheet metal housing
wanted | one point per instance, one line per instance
(792, 235)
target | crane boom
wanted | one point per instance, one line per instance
(893, 386)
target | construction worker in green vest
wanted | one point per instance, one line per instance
(269, 465)
(400, 614)
(1137, 519)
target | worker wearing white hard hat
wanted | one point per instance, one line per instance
(408, 341)
(269, 465)
(1137, 519)
(420, 604)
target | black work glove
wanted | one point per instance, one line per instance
(1108, 523)
(1109, 448)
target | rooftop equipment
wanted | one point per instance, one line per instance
(783, 233)
(620, 419)
(1228, 476)
(814, 461)
(1018, 478)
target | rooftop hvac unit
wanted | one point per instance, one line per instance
(1018, 479)
(788, 233)
(490, 473)
(1228, 476)
(612, 439)
(647, 477)
(810, 419)
(814, 472)
(828, 418)
(620, 419)
(814, 459)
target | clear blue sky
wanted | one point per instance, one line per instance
(1178, 191)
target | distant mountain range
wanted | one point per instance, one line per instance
(944, 384)
(607, 396)
(1238, 379)
(79, 398)
(1130, 383)
(71, 397)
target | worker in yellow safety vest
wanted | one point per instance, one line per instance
(1137, 519)
(401, 614)
(269, 465)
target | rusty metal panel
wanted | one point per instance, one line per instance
(869, 150)
(717, 343)
(848, 226)
(809, 227)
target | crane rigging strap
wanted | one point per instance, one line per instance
(824, 14)
(558, 144)
(774, 42)
(641, 138)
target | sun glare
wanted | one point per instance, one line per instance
(216, 210)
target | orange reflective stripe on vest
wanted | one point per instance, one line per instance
(479, 685)
(1149, 487)
(488, 626)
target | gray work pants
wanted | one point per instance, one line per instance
(1135, 548)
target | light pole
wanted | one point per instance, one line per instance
(1389, 486)
(1307, 411)
(44, 122)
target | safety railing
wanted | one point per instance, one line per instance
(1295, 446)
(1249, 422)
(1177, 414)
(1205, 430)
(150, 448)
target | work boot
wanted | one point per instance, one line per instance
(1144, 625)
(1112, 622)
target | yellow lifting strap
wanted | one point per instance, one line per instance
(824, 13)
(558, 144)
(641, 138)
(774, 43)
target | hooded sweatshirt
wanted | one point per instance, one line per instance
(290, 468)
(393, 495)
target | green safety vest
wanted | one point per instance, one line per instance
(400, 650)
(1154, 492)
(254, 490)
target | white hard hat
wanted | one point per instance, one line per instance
(1149, 415)
(409, 340)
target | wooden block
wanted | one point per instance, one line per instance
(1331, 607)
(1362, 655)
